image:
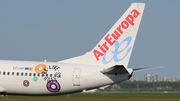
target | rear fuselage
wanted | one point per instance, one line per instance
(21, 77)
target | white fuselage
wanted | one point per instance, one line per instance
(20, 77)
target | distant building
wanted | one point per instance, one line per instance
(133, 79)
(171, 79)
(151, 78)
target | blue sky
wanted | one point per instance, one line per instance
(55, 30)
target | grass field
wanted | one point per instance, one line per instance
(100, 97)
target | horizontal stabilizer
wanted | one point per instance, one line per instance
(117, 69)
(146, 68)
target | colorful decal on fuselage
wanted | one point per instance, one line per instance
(35, 78)
(26, 83)
(49, 73)
(52, 83)
(53, 86)
(28, 68)
(40, 68)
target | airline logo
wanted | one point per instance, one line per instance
(118, 51)
(110, 39)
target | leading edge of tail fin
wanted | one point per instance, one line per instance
(116, 46)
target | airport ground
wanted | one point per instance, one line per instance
(111, 96)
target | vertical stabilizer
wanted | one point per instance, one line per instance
(116, 46)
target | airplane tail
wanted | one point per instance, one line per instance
(116, 46)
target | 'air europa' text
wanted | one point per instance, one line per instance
(110, 39)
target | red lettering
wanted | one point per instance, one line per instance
(135, 13)
(115, 35)
(97, 54)
(109, 40)
(102, 49)
(130, 19)
(105, 46)
(124, 24)
(119, 29)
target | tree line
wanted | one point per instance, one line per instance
(144, 86)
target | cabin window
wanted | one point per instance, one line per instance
(30, 74)
(50, 75)
(34, 74)
(8, 73)
(4, 73)
(0, 73)
(21, 74)
(38, 75)
(26, 74)
(12, 73)
(17, 73)
(42, 75)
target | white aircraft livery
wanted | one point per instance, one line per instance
(105, 64)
